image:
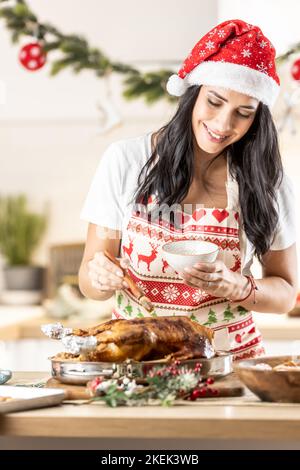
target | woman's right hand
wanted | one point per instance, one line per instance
(105, 275)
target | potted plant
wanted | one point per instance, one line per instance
(20, 233)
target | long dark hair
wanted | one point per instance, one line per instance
(254, 161)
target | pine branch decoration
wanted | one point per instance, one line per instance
(78, 55)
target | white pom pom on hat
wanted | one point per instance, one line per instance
(176, 86)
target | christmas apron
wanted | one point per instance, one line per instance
(235, 330)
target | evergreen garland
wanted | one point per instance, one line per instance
(164, 386)
(77, 54)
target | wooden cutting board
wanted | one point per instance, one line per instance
(73, 392)
(229, 386)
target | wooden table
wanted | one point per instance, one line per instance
(217, 419)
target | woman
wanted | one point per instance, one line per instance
(218, 163)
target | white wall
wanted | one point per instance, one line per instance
(278, 19)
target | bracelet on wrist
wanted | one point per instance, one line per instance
(253, 288)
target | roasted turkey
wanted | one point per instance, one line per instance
(175, 337)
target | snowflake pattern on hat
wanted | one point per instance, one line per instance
(235, 55)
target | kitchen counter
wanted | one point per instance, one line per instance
(21, 322)
(24, 322)
(216, 419)
(273, 326)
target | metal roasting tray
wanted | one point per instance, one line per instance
(79, 373)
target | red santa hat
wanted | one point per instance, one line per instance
(234, 55)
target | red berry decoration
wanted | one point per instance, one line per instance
(210, 381)
(203, 392)
(295, 71)
(197, 368)
(195, 394)
(32, 56)
(94, 383)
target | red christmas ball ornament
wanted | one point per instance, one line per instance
(32, 57)
(295, 71)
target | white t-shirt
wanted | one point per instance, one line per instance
(108, 202)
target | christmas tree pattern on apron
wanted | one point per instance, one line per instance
(235, 330)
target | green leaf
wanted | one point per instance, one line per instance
(20, 9)
(61, 64)
(15, 36)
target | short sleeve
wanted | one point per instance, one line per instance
(103, 205)
(286, 230)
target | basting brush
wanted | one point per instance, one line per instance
(137, 292)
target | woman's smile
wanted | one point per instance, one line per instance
(213, 137)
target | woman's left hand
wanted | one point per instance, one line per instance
(215, 279)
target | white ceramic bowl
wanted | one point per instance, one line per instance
(182, 254)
